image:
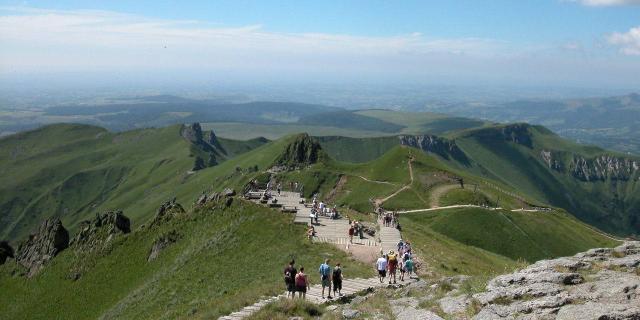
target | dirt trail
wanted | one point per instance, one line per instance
(379, 202)
(438, 192)
(337, 189)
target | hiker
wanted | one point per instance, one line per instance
(302, 283)
(311, 216)
(351, 232)
(361, 230)
(325, 278)
(279, 188)
(392, 265)
(409, 266)
(311, 232)
(295, 185)
(402, 269)
(289, 279)
(381, 266)
(337, 280)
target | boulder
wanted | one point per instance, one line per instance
(166, 212)
(50, 239)
(6, 251)
(94, 232)
(228, 192)
(545, 290)
(350, 313)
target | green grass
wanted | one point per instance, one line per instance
(224, 260)
(513, 235)
(465, 196)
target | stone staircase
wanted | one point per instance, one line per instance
(350, 287)
(328, 231)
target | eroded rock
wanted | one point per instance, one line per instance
(50, 239)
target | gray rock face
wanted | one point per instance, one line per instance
(166, 212)
(228, 192)
(192, 132)
(111, 222)
(42, 246)
(350, 313)
(302, 152)
(598, 168)
(434, 144)
(6, 251)
(601, 283)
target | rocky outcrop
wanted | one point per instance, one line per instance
(192, 133)
(6, 251)
(162, 243)
(50, 239)
(603, 167)
(166, 212)
(598, 168)
(105, 226)
(302, 152)
(597, 284)
(433, 144)
(518, 133)
(215, 197)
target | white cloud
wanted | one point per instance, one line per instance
(629, 42)
(605, 3)
(36, 37)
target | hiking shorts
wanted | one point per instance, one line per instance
(302, 289)
(326, 282)
(291, 287)
(337, 285)
(382, 273)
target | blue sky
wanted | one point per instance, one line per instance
(571, 42)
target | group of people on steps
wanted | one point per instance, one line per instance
(388, 265)
(298, 281)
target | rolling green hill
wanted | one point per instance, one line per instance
(220, 257)
(74, 171)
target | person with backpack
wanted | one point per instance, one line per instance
(302, 283)
(289, 279)
(392, 265)
(381, 267)
(325, 278)
(337, 280)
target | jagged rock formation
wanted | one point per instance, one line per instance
(102, 228)
(599, 168)
(42, 246)
(6, 251)
(192, 133)
(603, 167)
(217, 196)
(597, 284)
(167, 211)
(440, 146)
(162, 243)
(303, 151)
(206, 148)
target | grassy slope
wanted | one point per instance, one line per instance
(477, 241)
(225, 259)
(84, 170)
(606, 204)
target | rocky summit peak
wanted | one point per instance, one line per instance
(433, 144)
(167, 211)
(302, 151)
(42, 246)
(192, 132)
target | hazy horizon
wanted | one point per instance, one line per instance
(591, 44)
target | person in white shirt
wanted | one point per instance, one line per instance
(381, 266)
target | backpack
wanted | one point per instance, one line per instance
(393, 259)
(288, 278)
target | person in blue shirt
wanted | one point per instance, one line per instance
(325, 278)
